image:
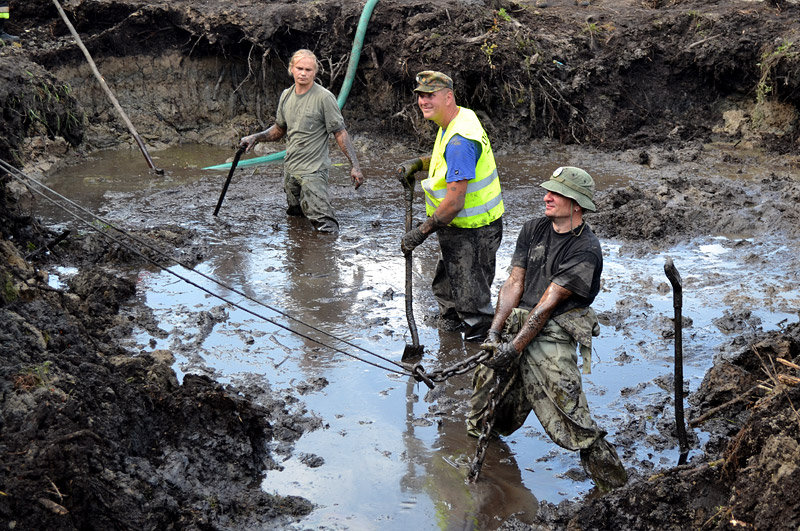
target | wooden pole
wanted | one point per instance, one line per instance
(107, 90)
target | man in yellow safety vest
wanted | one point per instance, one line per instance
(464, 205)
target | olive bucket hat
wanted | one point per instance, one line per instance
(573, 183)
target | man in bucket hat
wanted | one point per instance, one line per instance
(543, 316)
(464, 205)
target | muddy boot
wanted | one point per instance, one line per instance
(449, 321)
(476, 328)
(327, 225)
(5, 37)
(295, 210)
(602, 464)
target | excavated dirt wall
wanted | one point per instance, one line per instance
(617, 74)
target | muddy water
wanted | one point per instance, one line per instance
(391, 454)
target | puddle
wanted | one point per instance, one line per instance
(395, 455)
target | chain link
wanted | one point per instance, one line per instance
(501, 377)
(440, 375)
(462, 367)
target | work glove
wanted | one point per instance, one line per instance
(504, 355)
(411, 239)
(248, 142)
(406, 171)
(492, 341)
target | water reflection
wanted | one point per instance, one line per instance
(441, 472)
(439, 468)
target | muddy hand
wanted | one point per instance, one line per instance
(504, 355)
(406, 171)
(357, 177)
(247, 142)
(492, 341)
(411, 240)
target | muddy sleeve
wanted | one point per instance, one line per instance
(280, 118)
(333, 116)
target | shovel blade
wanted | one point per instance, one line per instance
(412, 352)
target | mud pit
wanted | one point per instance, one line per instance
(656, 94)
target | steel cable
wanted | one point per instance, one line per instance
(26, 179)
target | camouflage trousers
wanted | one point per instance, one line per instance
(307, 195)
(547, 380)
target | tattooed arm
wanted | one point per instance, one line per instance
(552, 297)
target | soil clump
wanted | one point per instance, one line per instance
(94, 435)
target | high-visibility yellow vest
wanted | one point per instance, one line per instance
(484, 200)
(3, 12)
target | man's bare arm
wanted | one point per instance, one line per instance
(343, 139)
(508, 298)
(272, 134)
(551, 298)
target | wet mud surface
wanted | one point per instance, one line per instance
(99, 431)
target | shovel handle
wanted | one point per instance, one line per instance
(235, 162)
(412, 325)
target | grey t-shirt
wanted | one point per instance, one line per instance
(309, 119)
(571, 262)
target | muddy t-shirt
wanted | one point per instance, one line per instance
(572, 262)
(308, 119)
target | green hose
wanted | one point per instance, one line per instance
(352, 66)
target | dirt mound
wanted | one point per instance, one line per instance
(618, 74)
(97, 436)
(34, 102)
(681, 207)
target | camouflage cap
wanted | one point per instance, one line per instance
(573, 183)
(430, 81)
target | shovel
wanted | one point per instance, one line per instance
(236, 158)
(414, 350)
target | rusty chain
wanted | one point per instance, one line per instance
(461, 367)
(501, 382)
(440, 375)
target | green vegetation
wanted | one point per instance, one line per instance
(10, 293)
(488, 49)
(34, 377)
(768, 66)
